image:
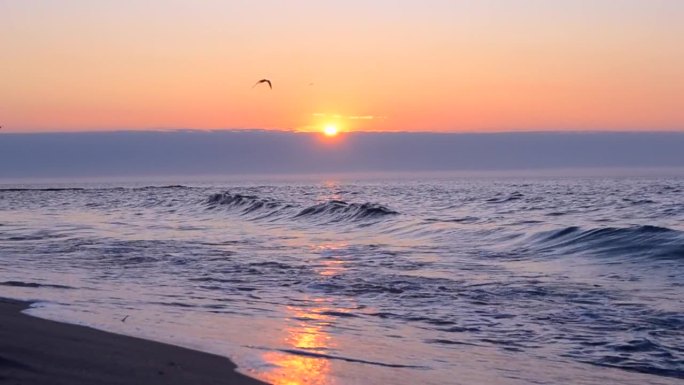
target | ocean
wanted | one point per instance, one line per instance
(411, 280)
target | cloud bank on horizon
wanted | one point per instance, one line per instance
(133, 154)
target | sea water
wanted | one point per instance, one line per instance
(342, 281)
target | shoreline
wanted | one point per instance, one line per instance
(36, 351)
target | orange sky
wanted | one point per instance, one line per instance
(434, 65)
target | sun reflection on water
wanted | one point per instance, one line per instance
(308, 332)
(308, 335)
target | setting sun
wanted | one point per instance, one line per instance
(330, 130)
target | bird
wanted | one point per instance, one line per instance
(263, 81)
(124, 318)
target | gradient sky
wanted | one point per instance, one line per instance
(430, 65)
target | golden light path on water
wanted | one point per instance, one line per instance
(309, 334)
(291, 369)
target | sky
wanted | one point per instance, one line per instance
(429, 65)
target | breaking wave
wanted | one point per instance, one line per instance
(343, 211)
(646, 241)
(331, 211)
(245, 203)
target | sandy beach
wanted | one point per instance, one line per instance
(38, 351)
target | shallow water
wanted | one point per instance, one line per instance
(431, 281)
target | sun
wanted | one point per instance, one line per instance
(330, 130)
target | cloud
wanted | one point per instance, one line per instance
(363, 117)
(237, 152)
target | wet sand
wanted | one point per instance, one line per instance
(38, 351)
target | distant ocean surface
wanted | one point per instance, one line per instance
(406, 281)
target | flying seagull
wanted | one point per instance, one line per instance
(263, 81)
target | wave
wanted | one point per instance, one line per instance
(339, 211)
(166, 187)
(329, 212)
(33, 285)
(51, 189)
(307, 353)
(647, 241)
(514, 196)
(246, 203)
(61, 189)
